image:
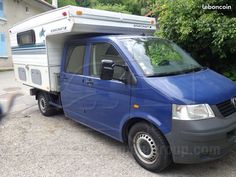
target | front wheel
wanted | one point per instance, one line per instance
(43, 103)
(149, 148)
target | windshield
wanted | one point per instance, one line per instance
(159, 57)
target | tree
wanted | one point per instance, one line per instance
(209, 35)
(62, 3)
(86, 3)
(110, 2)
(138, 7)
(112, 7)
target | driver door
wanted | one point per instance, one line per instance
(109, 101)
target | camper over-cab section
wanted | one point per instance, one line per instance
(37, 43)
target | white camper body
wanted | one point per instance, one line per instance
(37, 43)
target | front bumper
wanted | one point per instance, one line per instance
(202, 140)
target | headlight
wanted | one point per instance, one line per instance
(192, 112)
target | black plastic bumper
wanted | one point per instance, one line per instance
(202, 140)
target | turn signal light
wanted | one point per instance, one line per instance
(136, 106)
(79, 12)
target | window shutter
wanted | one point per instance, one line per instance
(3, 48)
(1, 9)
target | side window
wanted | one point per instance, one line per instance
(3, 48)
(1, 9)
(26, 38)
(75, 59)
(105, 51)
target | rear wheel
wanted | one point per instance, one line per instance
(149, 148)
(43, 103)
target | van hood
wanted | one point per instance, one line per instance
(204, 86)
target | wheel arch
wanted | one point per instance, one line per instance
(130, 122)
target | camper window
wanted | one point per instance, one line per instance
(26, 38)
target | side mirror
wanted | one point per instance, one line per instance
(107, 69)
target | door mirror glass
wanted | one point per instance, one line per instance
(107, 69)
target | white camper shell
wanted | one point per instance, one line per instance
(37, 43)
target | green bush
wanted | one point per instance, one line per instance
(62, 3)
(112, 7)
(209, 35)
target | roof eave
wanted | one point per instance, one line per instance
(40, 4)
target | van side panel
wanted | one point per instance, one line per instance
(154, 107)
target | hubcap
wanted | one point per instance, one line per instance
(145, 147)
(42, 104)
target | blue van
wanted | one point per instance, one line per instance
(149, 93)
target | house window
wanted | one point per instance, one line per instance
(3, 47)
(26, 38)
(27, 10)
(1, 8)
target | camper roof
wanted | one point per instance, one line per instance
(73, 19)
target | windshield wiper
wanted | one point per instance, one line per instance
(179, 72)
(194, 69)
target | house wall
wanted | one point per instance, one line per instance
(14, 11)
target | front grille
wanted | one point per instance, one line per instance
(226, 108)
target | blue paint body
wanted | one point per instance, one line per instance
(108, 105)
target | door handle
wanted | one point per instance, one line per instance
(65, 78)
(89, 82)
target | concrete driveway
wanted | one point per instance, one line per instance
(32, 145)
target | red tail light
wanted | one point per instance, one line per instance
(64, 13)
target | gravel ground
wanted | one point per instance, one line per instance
(32, 145)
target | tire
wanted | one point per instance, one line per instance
(43, 103)
(149, 147)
